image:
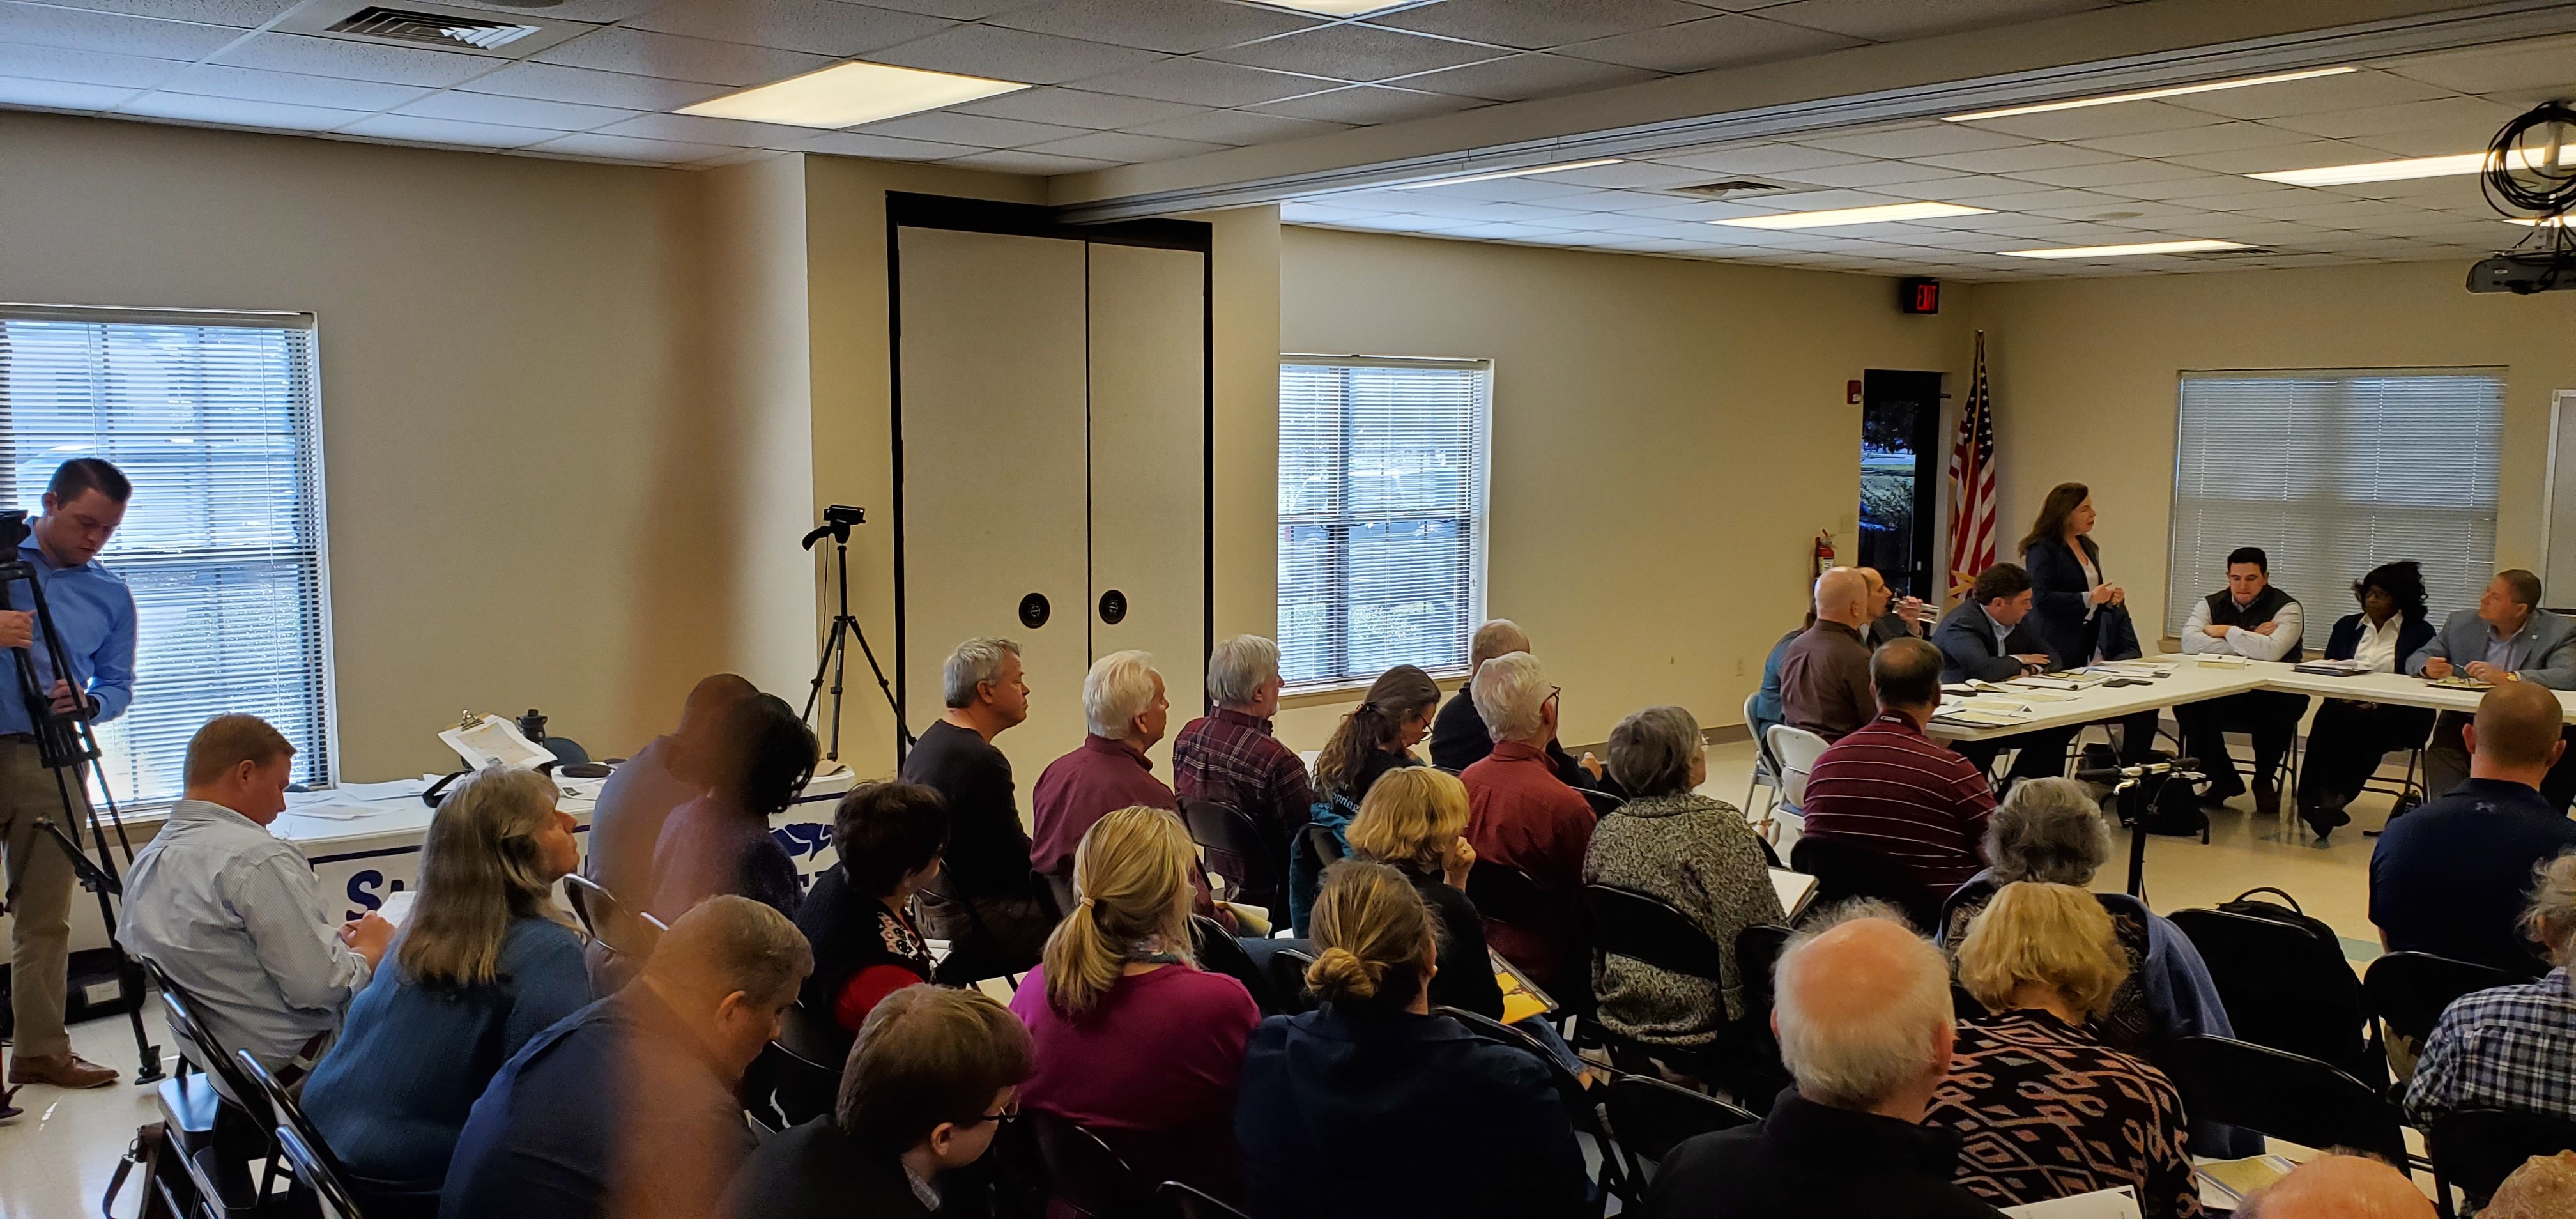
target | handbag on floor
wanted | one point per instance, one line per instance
(159, 1178)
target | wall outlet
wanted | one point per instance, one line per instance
(1739, 666)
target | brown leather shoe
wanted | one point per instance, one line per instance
(60, 1070)
(2267, 798)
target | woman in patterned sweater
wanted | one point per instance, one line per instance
(1698, 854)
(2043, 1108)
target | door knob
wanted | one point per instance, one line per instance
(1034, 611)
(1113, 607)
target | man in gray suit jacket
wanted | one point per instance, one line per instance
(2508, 637)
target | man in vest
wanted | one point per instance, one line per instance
(2248, 618)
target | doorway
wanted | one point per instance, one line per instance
(1900, 445)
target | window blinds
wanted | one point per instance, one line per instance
(213, 419)
(2333, 473)
(1381, 515)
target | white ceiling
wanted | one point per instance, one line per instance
(1121, 82)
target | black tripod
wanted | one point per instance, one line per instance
(837, 520)
(2148, 780)
(64, 743)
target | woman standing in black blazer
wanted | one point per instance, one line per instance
(2349, 738)
(2072, 606)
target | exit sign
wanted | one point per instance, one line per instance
(1918, 295)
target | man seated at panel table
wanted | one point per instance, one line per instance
(1888, 787)
(1824, 679)
(2252, 619)
(1459, 739)
(1891, 616)
(2451, 877)
(2508, 637)
(1987, 639)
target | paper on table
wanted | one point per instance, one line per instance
(331, 812)
(2120, 1203)
(1977, 717)
(2233, 1179)
(397, 907)
(496, 742)
(396, 789)
(1796, 889)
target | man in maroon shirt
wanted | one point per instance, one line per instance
(1888, 787)
(1520, 815)
(1824, 677)
(1123, 702)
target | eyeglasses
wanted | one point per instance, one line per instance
(1553, 691)
(1009, 1113)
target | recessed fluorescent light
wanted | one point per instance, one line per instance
(1337, 8)
(848, 94)
(2123, 251)
(1505, 173)
(2553, 222)
(2145, 95)
(1881, 214)
(2454, 165)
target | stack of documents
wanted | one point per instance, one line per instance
(2333, 668)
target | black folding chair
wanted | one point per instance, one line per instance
(1582, 1105)
(1507, 895)
(621, 929)
(2285, 988)
(1237, 850)
(2476, 1149)
(1646, 928)
(1194, 1203)
(2284, 1095)
(1288, 981)
(1649, 1117)
(801, 1069)
(315, 1169)
(1846, 870)
(1219, 952)
(220, 1120)
(1085, 1174)
(1752, 1068)
(321, 1172)
(1603, 803)
(2408, 992)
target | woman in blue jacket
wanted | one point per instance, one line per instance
(2349, 738)
(2077, 614)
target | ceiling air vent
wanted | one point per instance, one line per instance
(1731, 188)
(404, 25)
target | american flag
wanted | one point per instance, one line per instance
(1972, 483)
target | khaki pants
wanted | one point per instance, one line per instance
(40, 909)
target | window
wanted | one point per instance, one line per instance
(1381, 515)
(2333, 473)
(213, 417)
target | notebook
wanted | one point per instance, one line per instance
(1796, 889)
(2120, 1203)
(1522, 998)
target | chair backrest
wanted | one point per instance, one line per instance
(1060, 891)
(312, 1166)
(2283, 987)
(1648, 1117)
(1844, 870)
(178, 1010)
(1219, 952)
(1236, 850)
(1603, 803)
(1195, 1204)
(1287, 970)
(1506, 894)
(2409, 990)
(1648, 928)
(1581, 1107)
(2281, 1094)
(1084, 1173)
(1322, 845)
(1796, 751)
(2476, 1149)
(804, 1064)
(283, 1111)
(1757, 954)
(621, 929)
(1761, 748)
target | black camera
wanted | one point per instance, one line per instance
(837, 514)
(13, 531)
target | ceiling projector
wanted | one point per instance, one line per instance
(2529, 177)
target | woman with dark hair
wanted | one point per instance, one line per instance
(2349, 738)
(719, 842)
(2076, 613)
(889, 836)
(1377, 736)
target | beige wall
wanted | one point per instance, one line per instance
(1668, 436)
(2086, 375)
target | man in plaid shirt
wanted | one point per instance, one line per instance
(2513, 1047)
(1230, 756)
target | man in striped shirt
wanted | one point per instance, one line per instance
(1888, 787)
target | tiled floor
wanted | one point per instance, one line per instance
(55, 1161)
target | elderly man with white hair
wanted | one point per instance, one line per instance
(1230, 756)
(1459, 738)
(1862, 1009)
(1521, 815)
(1125, 710)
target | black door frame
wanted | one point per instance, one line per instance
(1881, 385)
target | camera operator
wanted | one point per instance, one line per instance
(93, 614)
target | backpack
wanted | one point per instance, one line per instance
(2250, 906)
(2176, 808)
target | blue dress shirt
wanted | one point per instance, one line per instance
(93, 612)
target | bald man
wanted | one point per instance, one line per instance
(1824, 677)
(1893, 617)
(1863, 1015)
(2339, 1187)
(2451, 877)
(1459, 738)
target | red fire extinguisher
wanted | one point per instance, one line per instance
(1824, 552)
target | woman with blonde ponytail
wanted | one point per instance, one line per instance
(1132, 1040)
(1370, 1107)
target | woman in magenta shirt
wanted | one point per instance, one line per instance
(1133, 1041)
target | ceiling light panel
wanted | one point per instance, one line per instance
(1883, 214)
(1504, 173)
(848, 94)
(1337, 8)
(2145, 95)
(2124, 251)
(2455, 165)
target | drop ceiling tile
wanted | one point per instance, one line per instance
(1356, 52)
(1892, 20)
(2311, 96)
(979, 130)
(882, 147)
(561, 84)
(1820, 200)
(1759, 159)
(1521, 77)
(628, 148)
(2272, 157)
(725, 133)
(1973, 189)
(1077, 108)
(359, 60)
(642, 53)
(2108, 173)
(2189, 141)
(215, 80)
(1596, 222)
(2058, 199)
(1038, 59)
(2440, 113)
(2100, 122)
(2342, 214)
(515, 111)
(819, 27)
(1204, 82)
(2253, 197)
(1123, 147)
(1236, 127)
(600, 12)
(78, 30)
(1540, 24)
(2196, 187)
(2537, 63)
(1914, 140)
(84, 67)
(1874, 174)
(955, 10)
(1725, 41)
(236, 112)
(1176, 27)
(241, 14)
(1504, 190)
(445, 131)
(2423, 143)
(1021, 161)
(1632, 174)
(60, 94)
(2029, 156)
(1364, 104)
(735, 156)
